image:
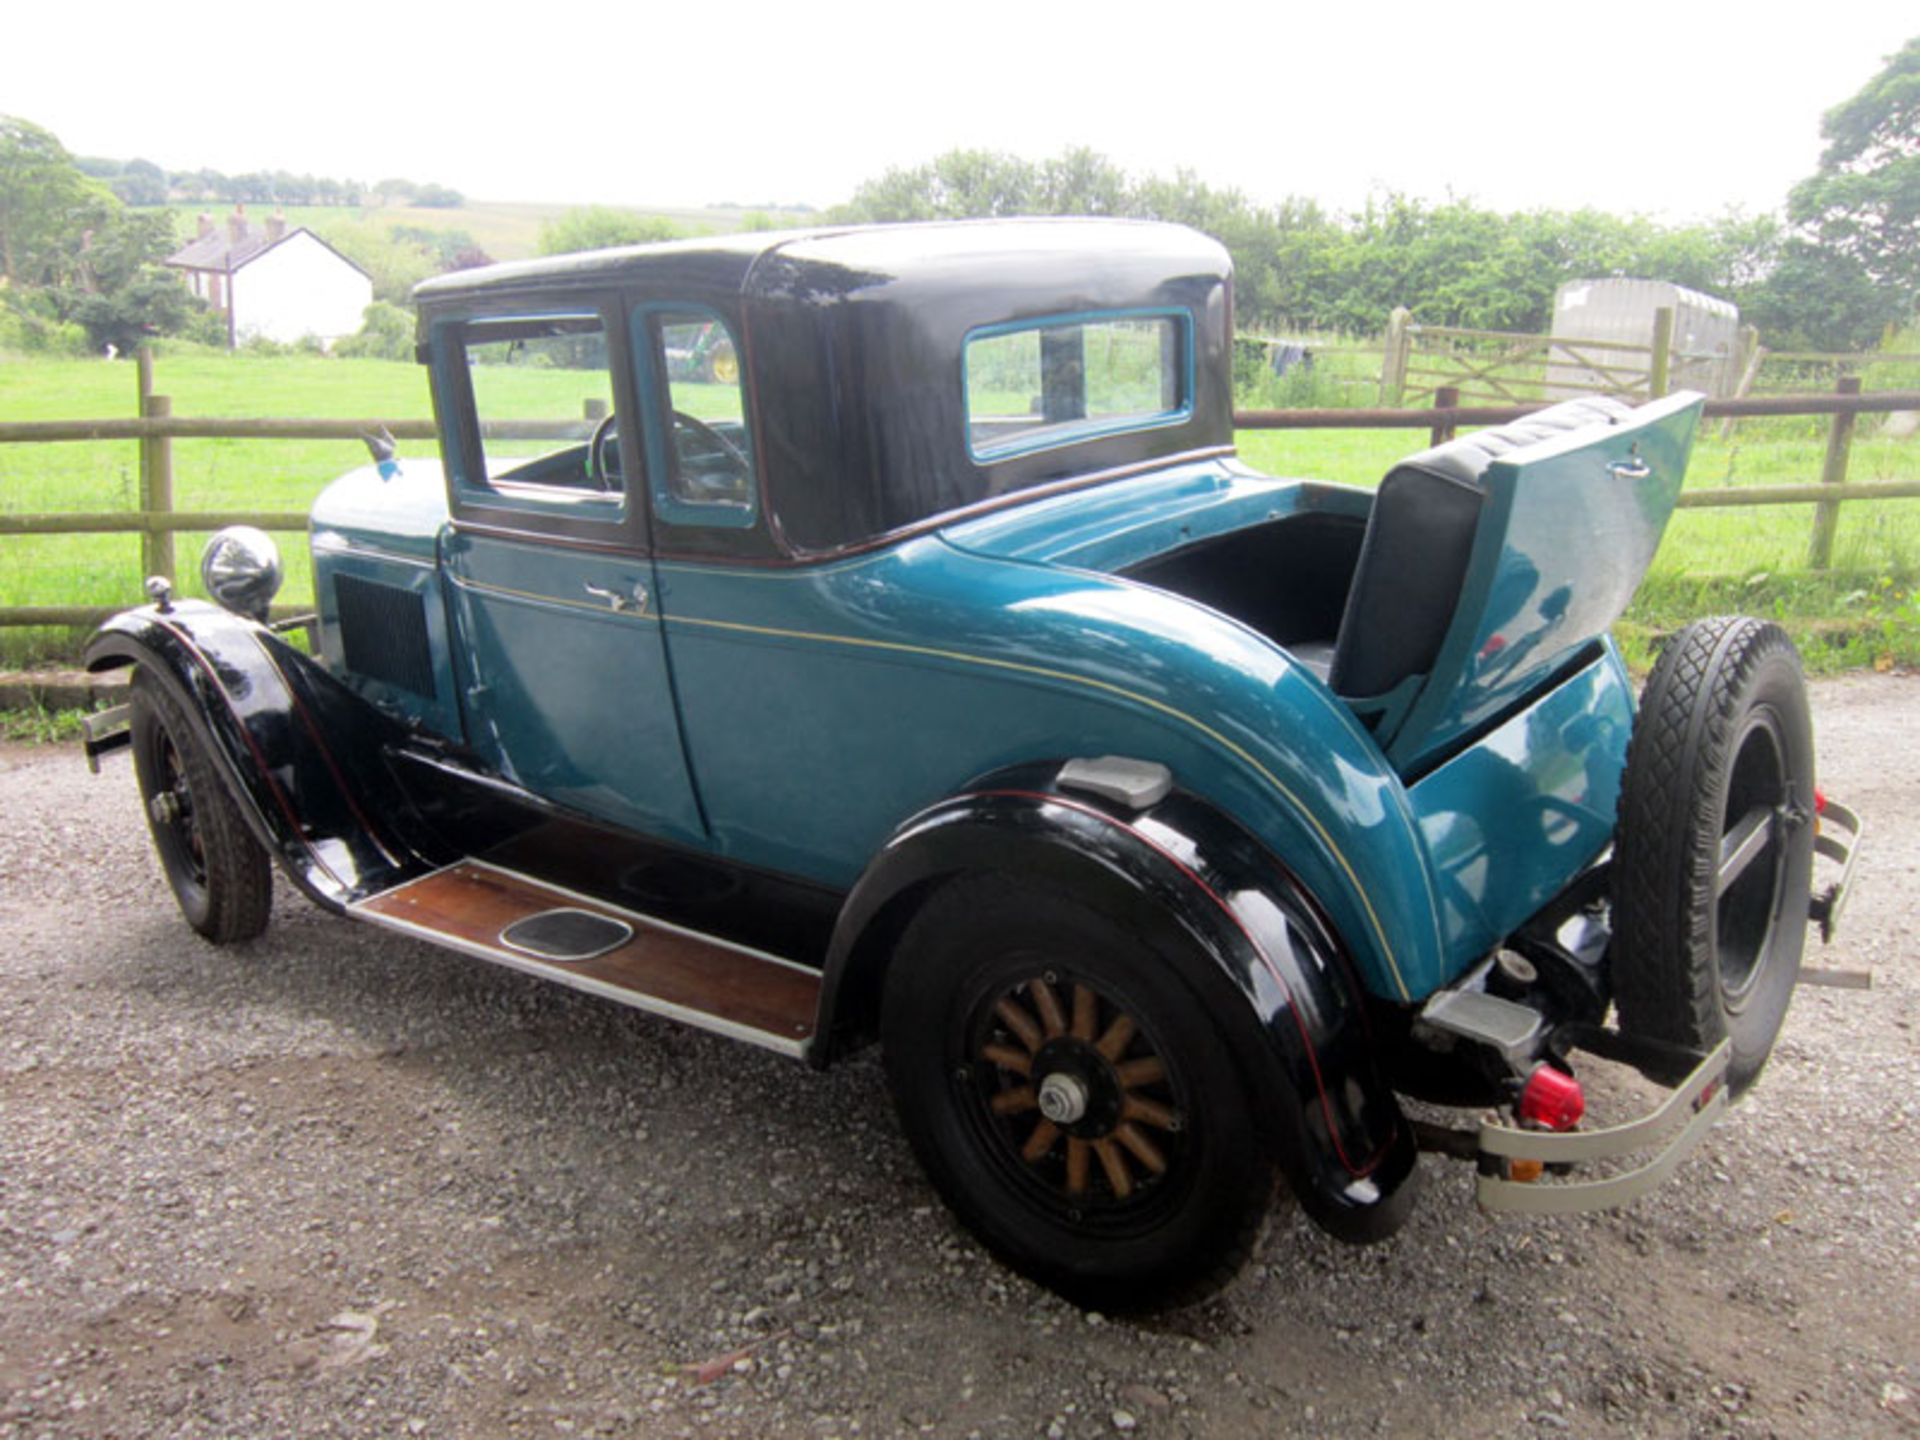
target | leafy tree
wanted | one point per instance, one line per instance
(149, 302)
(386, 333)
(439, 197)
(1080, 181)
(599, 227)
(141, 182)
(46, 205)
(960, 184)
(394, 263)
(1861, 209)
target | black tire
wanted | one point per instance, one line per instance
(1705, 950)
(1148, 1237)
(218, 871)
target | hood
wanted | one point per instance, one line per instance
(402, 516)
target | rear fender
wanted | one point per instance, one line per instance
(300, 754)
(1193, 884)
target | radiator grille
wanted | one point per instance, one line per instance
(383, 632)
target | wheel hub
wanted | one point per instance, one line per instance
(1063, 1098)
(1075, 1092)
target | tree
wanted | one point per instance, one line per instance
(959, 185)
(1862, 207)
(599, 227)
(386, 333)
(395, 264)
(46, 205)
(141, 182)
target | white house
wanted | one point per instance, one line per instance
(272, 282)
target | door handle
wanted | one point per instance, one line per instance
(632, 603)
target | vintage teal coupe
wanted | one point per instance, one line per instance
(871, 634)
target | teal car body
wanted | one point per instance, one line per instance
(769, 593)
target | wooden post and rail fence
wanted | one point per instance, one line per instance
(156, 427)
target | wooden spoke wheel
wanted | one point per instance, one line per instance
(1076, 1092)
(1075, 1100)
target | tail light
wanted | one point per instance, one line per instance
(1552, 1099)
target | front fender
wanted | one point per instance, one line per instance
(1199, 889)
(320, 806)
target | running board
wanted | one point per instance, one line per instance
(652, 965)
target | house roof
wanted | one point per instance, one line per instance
(218, 250)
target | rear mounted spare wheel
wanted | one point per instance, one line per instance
(217, 869)
(1714, 856)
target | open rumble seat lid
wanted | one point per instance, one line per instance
(1558, 533)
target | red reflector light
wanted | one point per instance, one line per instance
(1553, 1099)
(1819, 801)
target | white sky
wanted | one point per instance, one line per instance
(1677, 110)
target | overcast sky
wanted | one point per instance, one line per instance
(1677, 110)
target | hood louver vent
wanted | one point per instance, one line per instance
(383, 633)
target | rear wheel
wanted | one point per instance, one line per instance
(217, 869)
(1715, 853)
(1071, 1098)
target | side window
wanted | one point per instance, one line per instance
(541, 388)
(704, 457)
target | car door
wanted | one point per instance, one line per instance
(563, 669)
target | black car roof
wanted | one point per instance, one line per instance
(934, 254)
(852, 344)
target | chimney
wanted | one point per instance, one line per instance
(206, 224)
(276, 223)
(237, 224)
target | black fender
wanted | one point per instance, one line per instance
(301, 755)
(1195, 885)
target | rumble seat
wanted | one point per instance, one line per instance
(1414, 558)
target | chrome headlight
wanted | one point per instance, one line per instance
(241, 569)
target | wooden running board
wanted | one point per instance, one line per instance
(670, 971)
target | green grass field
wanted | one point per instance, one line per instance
(1862, 612)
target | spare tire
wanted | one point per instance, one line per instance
(1714, 851)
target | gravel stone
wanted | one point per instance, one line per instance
(337, 1183)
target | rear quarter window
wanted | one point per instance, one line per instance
(1038, 384)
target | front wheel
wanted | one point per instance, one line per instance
(217, 869)
(1071, 1098)
(1714, 859)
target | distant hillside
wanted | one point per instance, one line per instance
(505, 229)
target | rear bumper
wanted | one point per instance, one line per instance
(1842, 848)
(1507, 1154)
(1663, 1138)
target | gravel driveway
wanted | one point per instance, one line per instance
(338, 1183)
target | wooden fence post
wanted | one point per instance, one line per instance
(1660, 365)
(1826, 514)
(156, 498)
(1393, 365)
(1748, 354)
(156, 471)
(1445, 397)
